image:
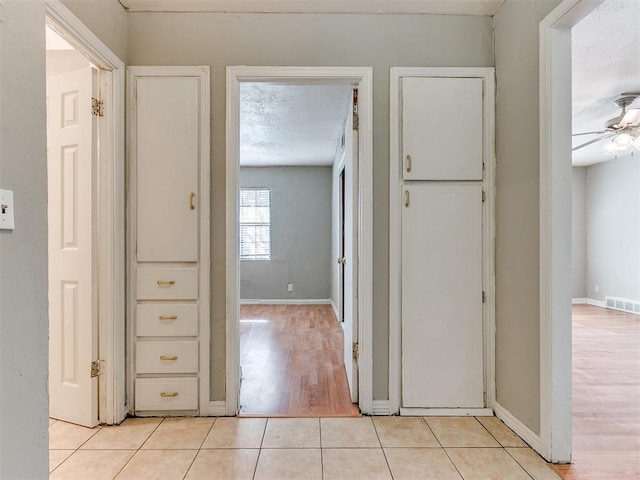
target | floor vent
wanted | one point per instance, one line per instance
(623, 304)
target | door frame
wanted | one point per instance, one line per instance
(109, 210)
(363, 78)
(555, 227)
(395, 240)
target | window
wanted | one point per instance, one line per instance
(255, 224)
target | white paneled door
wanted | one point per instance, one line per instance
(73, 393)
(442, 344)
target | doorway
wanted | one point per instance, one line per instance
(86, 220)
(359, 78)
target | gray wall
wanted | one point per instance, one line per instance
(300, 234)
(380, 41)
(107, 19)
(613, 229)
(579, 233)
(23, 251)
(517, 236)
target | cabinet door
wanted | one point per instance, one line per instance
(167, 147)
(442, 133)
(442, 354)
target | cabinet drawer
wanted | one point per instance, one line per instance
(167, 283)
(167, 320)
(166, 394)
(159, 356)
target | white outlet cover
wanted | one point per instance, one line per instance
(6, 202)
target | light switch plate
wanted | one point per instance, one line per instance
(6, 210)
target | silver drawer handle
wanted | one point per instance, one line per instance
(168, 317)
(168, 357)
(166, 282)
(168, 394)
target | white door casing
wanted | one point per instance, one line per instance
(442, 347)
(350, 314)
(72, 271)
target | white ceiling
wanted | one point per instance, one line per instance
(454, 7)
(55, 41)
(284, 125)
(606, 62)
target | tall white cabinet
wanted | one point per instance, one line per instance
(168, 133)
(442, 240)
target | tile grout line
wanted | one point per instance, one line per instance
(321, 450)
(138, 449)
(74, 449)
(382, 448)
(521, 466)
(444, 449)
(200, 448)
(264, 433)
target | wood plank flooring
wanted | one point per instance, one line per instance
(292, 362)
(606, 395)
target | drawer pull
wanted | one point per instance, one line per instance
(168, 317)
(192, 197)
(168, 357)
(168, 394)
(166, 282)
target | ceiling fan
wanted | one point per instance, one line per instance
(622, 131)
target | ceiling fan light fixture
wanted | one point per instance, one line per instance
(610, 149)
(622, 141)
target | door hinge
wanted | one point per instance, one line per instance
(356, 117)
(484, 196)
(355, 351)
(97, 368)
(97, 107)
(484, 297)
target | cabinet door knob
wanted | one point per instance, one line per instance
(168, 317)
(168, 394)
(166, 282)
(168, 357)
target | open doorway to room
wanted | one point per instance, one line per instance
(605, 243)
(300, 337)
(85, 172)
(296, 157)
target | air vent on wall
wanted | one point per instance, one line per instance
(623, 304)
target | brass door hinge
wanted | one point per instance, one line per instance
(97, 107)
(97, 368)
(356, 117)
(355, 351)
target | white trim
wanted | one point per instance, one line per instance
(446, 412)
(335, 310)
(110, 209)
(395, 225)
(579, 301)
(204, 249)
(363, 77)
(291, 301)
(555, 227)
(596, 303)
(217, 408)
(380, 407)
(524, 432)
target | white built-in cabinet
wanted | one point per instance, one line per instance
(444, 263)
(168, 133)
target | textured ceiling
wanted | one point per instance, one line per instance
(606, 62)
(454, 7)
(291, 124)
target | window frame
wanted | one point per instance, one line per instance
(253, 258)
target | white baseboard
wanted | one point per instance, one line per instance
(596, 303)
(289, 301)
(446, 412)
(381, 407)
(579, 301)
(335, 309)
(524, 432)
(217, 409)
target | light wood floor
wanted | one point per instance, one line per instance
(292, 362)
(606, 395)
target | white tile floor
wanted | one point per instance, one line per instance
(398, 448)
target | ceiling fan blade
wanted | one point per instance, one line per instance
(603, 137)
(589, 133)
(631, 117)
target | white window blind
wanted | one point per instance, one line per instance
(255, 224)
